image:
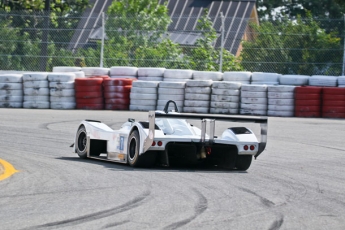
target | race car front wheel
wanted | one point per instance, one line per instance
(81, 146)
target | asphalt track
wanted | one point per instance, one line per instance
(297, 182)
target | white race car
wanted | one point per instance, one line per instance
(167, 139)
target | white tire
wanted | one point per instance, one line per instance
(130, 77)
(144, 90)
(66, 69)
(265, 83)
(62, 92)
(143, 96)
(341, 80)
(253, 112)
(254, 94)
(199, 90)
(35, 84)
(150, 72)
(62, 99)
(163, 103)
(36, 104)
(281, 88)
(176, 80)
(36, 98)
(174, 97)
(79, 74)
(11, 104)
(221, 98)
(123, 71)
(36, 91)
(61, 85)
(193, 103)
(197, 96)
(280, 113)
(35, 76)
(12, 92)
(207, 75)
(317, 80)
(150, 78)
(226, 92)
(145, 84)
(265, 77)
(223, 111)
(199, 83)
(281, 107)
(62, 105)
(178, 73)
(254, 88)
(226, 85)
(8, 98)
(142, 107)
(12, 86)
(195, 110)
(95, 71)
(281, 101)
(143, 102)
(61, 77)
(172, 85)
(11, 78)
(225, 105)
(252, 100)
(294, 80)
(276, 95)
(237, 76)
(254, 106)
(170, 91)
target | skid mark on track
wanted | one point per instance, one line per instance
(263, 200)
(45, 125)
(199, 208)
(116, 224)
(136, 202)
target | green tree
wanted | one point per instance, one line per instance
(293, 47)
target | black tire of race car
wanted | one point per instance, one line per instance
(243, 162)
(81, 147)
(133, 149)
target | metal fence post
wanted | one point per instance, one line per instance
(222, 43)
(45, 37)
(102, 46)
(343, 69)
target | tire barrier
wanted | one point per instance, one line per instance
(297, 80)
(341, 81)
(11, 91)
(177, 75)
(259, 78)
(221, 100)
(95, 71)
(197, 96)
(36, 90)
(116, 93)
(89, 93)
(317, 80)
(151, 74)
(61, 90)
(171, 91)
(333, 102)
(308, 101)
(66, 69)
(254, 100)
(280, 100)
(238, 76)
(207, 75)
(123, 72)
(143, 101)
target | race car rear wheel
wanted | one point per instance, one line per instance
(243, 162)
(133, 149)
(81, 146)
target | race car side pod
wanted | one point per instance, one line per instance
(230, 118)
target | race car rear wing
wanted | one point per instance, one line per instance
(211, 118)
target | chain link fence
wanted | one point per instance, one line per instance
(38, 42)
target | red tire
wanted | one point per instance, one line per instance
(333, 109)
(308, 90)
(89, 88)
(98, 76)
(118, 89)
(88, 81)
(88, 94)
(121, 101)
(307, 96)
(117, 81)
(307, 102)
(116, 95)
(90, 106)
(332, 97)
(307, 114)
(96, 100)
(116, 107)
(334, 90)
(307, 108)
(333, 103)
(333, 115)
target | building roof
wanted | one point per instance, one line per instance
(184, 15)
